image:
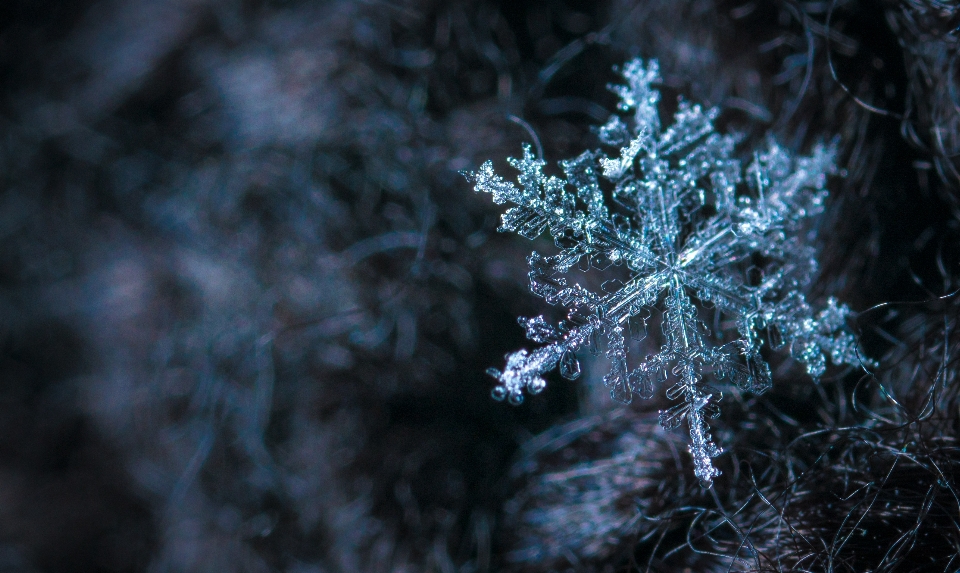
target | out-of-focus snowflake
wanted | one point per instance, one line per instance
(690, 232)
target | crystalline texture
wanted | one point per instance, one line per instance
(689, 227)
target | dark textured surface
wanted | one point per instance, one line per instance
(247, 302)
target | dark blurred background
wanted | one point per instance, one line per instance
(247, 300)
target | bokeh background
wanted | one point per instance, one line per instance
(247, 300)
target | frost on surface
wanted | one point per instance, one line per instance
(688, 232)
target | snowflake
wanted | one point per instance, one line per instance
(691, 233)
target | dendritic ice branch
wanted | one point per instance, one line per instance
(691, 233)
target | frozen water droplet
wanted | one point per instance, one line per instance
(569, 366)
(536, 386)
(499, 393)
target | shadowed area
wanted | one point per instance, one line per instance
(247, 299)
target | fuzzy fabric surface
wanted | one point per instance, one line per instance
(247, 301)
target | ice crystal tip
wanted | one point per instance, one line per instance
(687, 232)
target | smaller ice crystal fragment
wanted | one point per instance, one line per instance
(538, 330)
(619, 390)
(616, 379)
(614, 132)
(638, 94)
(690, 124)
(569, 366)
(526, 222)
(813, 358)
(614, 169)
(532, 227)
(531, 173)
(752, 376)
(832, 317)
(582, 176)
(638, 329)
(693, 234)
(774, 337)
(676, 391)
(562, 203)
(671, 418)
(594, 343)
(641, 382)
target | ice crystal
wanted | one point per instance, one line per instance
(692, 233)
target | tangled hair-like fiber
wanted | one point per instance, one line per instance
(866, 506)
(882, 493)
(246, 300)
(927, 30)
